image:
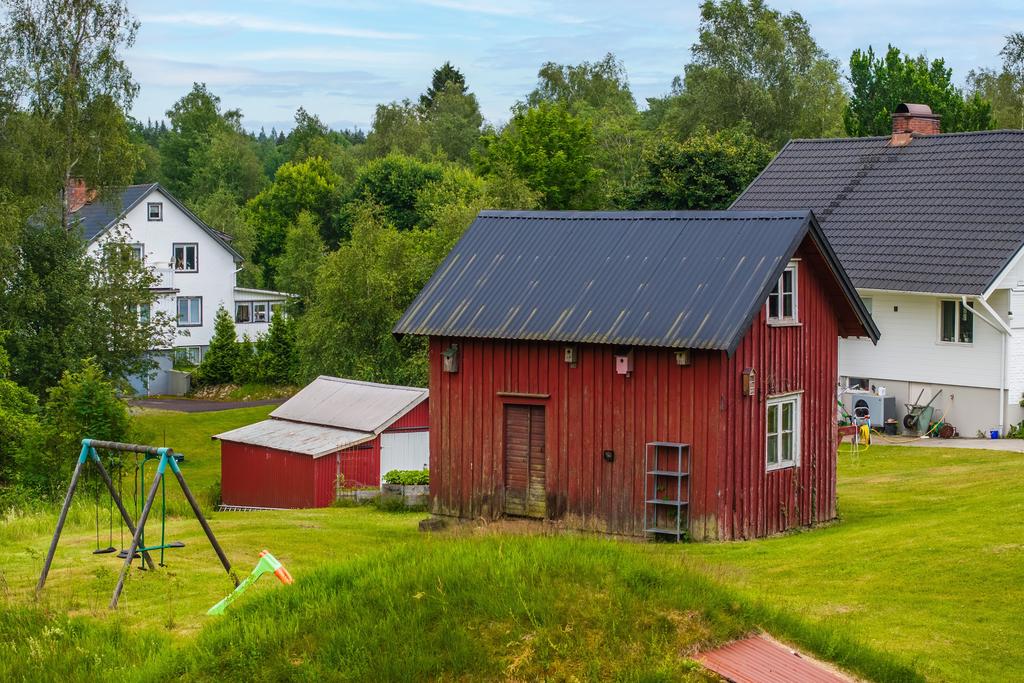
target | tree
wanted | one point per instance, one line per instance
(881, 83)
(398, 127)
(453, 122)
(303, 253)
(310, 185)
(194, 118)
(67, 53)
(362, 289)
(707, 171)
(392, 184)
(595, 86)
(1005, 88)
(444, 78)
(552, 150)
(220, 359)
(277, 353)
(311, 137)
(220, 210)
(18, 422)
(753, 63)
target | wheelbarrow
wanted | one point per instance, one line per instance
(919, 414)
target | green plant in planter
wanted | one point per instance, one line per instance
(408, 477)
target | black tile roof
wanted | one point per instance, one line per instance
(683, 279)
(95, 217)
(943, 214)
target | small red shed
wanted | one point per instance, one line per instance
(335, 433)
(658, 373)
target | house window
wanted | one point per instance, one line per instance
(783, 427)
(138, 252)
(186, 258)
(191, 355)
(144, 312)
(259, 312)
(155, 211)
(957, 323)
(869, 304)
(243, 312)
(190, 311)
(276, 309)
(782, 302)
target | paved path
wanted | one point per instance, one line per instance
(1013, 445)
(187, 405)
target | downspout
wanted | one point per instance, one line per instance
(1002, 327)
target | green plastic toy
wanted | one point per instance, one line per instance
(268, 563)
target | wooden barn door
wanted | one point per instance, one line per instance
(524, 461)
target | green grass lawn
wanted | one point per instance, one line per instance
(927, 561)
(925, 565)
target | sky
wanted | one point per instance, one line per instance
(340, 58)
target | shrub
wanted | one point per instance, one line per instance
(408, 477)
(220, 361)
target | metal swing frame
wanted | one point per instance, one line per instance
(166, 456)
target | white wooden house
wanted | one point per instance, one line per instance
(196, 266)
(930, 227)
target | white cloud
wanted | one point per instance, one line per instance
(250, 23)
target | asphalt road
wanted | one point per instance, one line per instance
(185, 405)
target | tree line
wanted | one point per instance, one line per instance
(355, 222)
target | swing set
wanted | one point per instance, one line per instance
(165, 457)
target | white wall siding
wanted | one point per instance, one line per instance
(910, 350)
(404, 451)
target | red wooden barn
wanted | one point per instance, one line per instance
(335, 433)
(638, 373)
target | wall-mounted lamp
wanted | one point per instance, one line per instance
(450, 358)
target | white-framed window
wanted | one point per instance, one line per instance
(155, 211)
(276, 309)
(782, 301)
(783, 432)
(956, 322)
(185, 258)
(190, 311)
(260, 310)
(243, 312)
(189, 354)
(144, 312)
(138, 252)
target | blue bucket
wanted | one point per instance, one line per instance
(994, 434)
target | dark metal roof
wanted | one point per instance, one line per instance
(678, 279)
(943, 214)
(95, 218)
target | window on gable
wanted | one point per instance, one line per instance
(243, 312)
(155, 211)
(956, 322)
(782, 301)
(259, 312)
(783, 432)
(185, 258)
(190, 311)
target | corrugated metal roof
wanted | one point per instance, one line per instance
(679, 279)
(307, 439)
(350, 404)
(942, 214)
(763, 660)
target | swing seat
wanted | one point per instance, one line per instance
(124, 553)
(172, 544)
(104, 551)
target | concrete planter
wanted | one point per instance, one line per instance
(413, 495)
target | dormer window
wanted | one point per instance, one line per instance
(185, 258)
(155, 211)
(782, 302)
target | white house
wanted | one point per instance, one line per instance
(930, 227)
(196, 266)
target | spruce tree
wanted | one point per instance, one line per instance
(218, 366)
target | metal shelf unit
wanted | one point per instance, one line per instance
(667, 489)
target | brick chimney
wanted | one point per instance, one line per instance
(913, 118)
(78, 194)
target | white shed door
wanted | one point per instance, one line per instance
(404, 451)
